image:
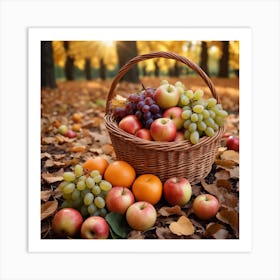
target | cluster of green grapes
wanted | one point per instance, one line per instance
(85, 192)
(201, 116)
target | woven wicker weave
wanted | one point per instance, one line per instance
(164, 159)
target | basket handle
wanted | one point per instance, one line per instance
(160, 54)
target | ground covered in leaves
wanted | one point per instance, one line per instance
(88, 100)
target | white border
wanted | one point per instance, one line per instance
(35, 243)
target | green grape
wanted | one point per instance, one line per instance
(186, 114)
(103, 194)
(209, 121)
(190, 94)
(90, 182)
(78, 170)
(62, 185)
(69, 176)
(222, 113)
(91, 208)
(205, 113)
(211, 102)
(67, 196)
(187, 123)
(194, 137)
(201, 125)
(187, 135)
(97, 213)
(212, 114)
(192, 127)
(219, 121)
(97, 179)
(194, 117)
(186, 108)
(81, 185)
(198, 108)
(77, 203)
(105, 186)
(88, 199)
(84, 210)
(103, 212)
(184, 100)
(94, 173)
(200, 117)
(82, 178)
(66, 204)
(198, 94)
(179, 84)
(215, 127)
(209, 131)
(96, 190)
(69, 188)
(99, 202)
(75, 194)
(84, 192)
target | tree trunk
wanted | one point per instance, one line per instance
(127, 50)
(69, 65)
(47, 65)
(204, 57)
(88, 69)
(156, 69)
(102, 69)
(175, 70)
(224, 61)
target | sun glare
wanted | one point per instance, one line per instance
(108, 43)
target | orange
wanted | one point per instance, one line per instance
(96, 163)
(76, 117)
(147, 187)
(120, 173)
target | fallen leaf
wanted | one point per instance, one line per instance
(216, 230)
(135, 234)
(168, 211)
(53, 177)
(107, 149)
(164, 233)
(45, 195)
(212, 189)
(224, 183)
(182, 227)
(78, 149)
(230, 155)
(53, 163)
(48, 208)
(226, 164)
(222, 174)
(230, 217)
(234, 173)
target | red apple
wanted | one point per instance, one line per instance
(174, 113)
(205, 206)
(179, 136)
(71, 134)
(177, 191)
(166, 96)
(141, 215)
(130, 124)
(163, 129)
(232, 143)
(144, 133)
(118, 199)
(95, 227)
(67, 222)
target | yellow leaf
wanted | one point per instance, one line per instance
(182, 227)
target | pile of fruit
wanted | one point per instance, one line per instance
(170, 113)
(92, 192)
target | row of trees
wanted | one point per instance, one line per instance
(109, 55)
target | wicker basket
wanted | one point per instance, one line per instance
(164, 159)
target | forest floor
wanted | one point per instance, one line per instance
(60, 153)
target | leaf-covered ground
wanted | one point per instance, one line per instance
(87, 100)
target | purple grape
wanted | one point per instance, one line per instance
(155, 108)
(147, 115)
(148, 123)
(149, 101)
(150, 92)
(139, 114)
(140, 104)
(119, 112)
(133, 97)
(145, 108)
(157, 116)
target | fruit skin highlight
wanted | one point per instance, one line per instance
(141, 215)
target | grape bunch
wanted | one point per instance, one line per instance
(85, 192)
(141, 105)
(201, 116)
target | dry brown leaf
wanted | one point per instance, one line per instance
(168, 211)
(226, 164)
(48, 208)
(78, 149)
(230, 217)
(224, 183)
(107, 149)
(212, 189)
(216, 230)
(46, 155)
(234, 173)
(164, 233)
(53, 163)
(53, 177)
(182, 227)
(230, 155)
(45, 195)
(222, 174)
(136, 234)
